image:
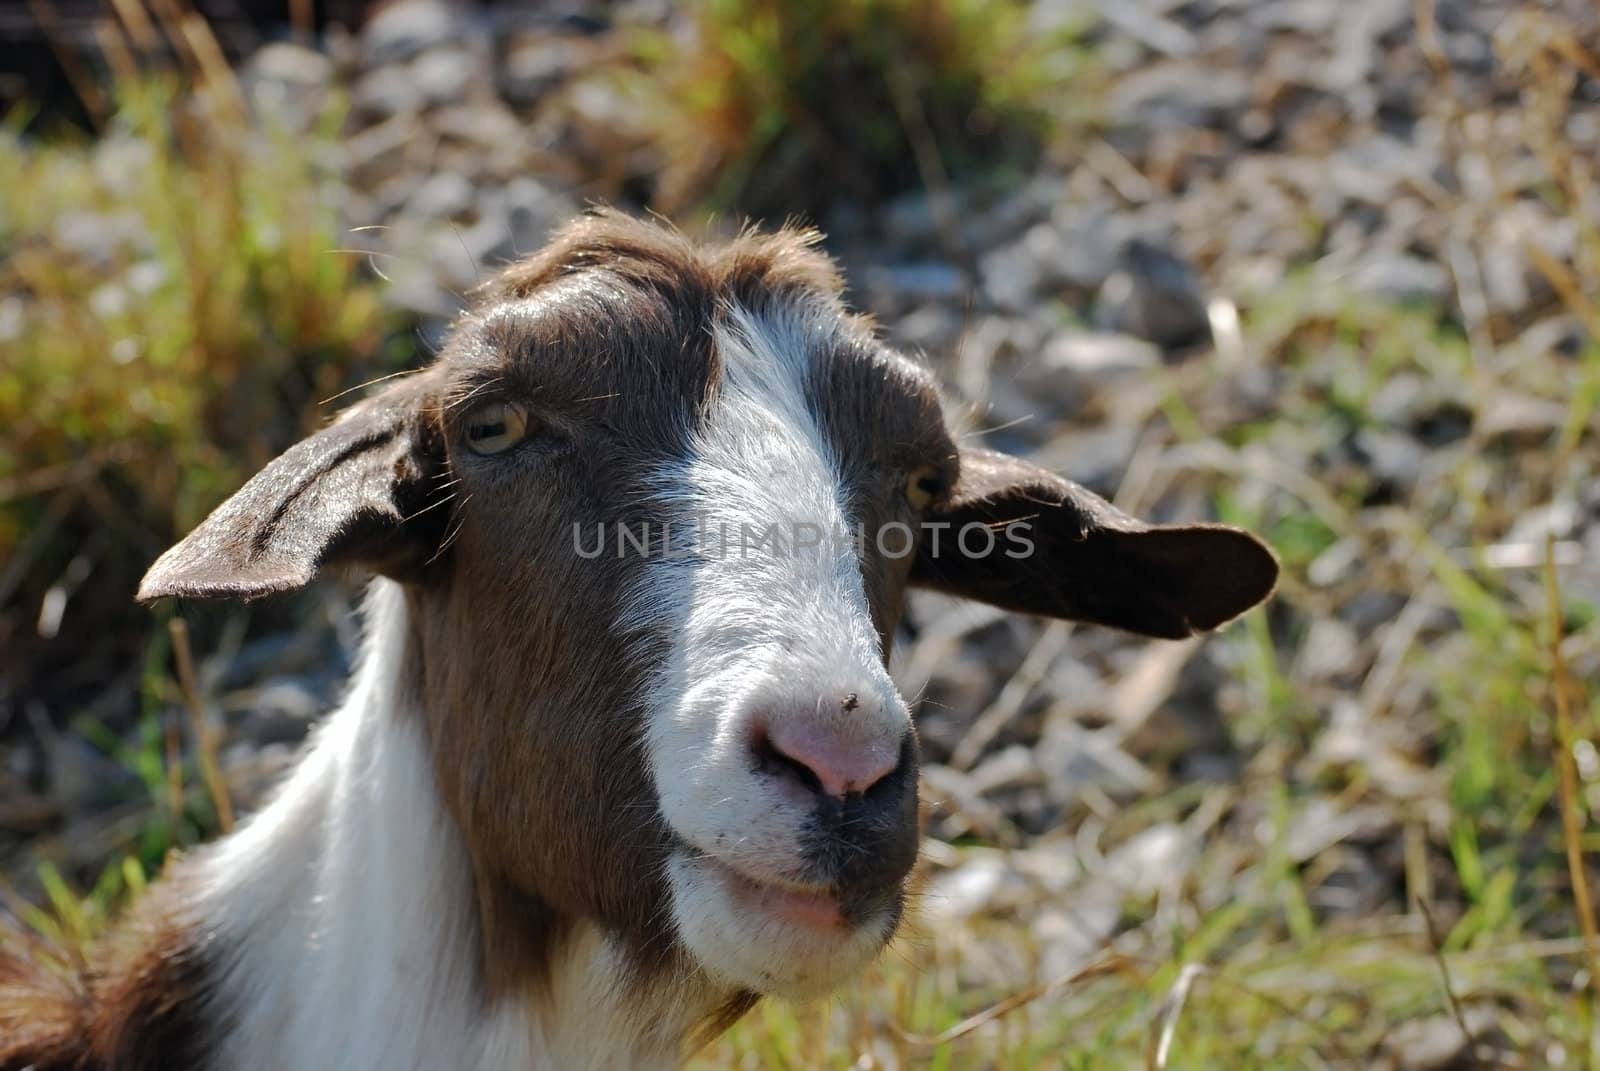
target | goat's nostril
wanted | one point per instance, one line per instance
(773, 760)
(826, 762)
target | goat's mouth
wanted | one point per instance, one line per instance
(812, 906)
(776, 936)
(819, 906)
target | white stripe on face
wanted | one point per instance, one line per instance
(759, 633)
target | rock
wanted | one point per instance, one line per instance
(1094, 360)
(1077, 375)
(379, 153)
(389, 197)
(1556, 520)
(934, 327)
(531, 210)
(1010, 215)
(1154, 295)
(1510, 280)
(1438, 1043)
(1562, 334)
(604, 123)
(99, 237)
(967, 889)
(281, 711)
(13, 318)
(846, 225)
(1528, 419)
(1074, 251)
(121, 162)
(921, 280)
(1153, 860)
(1321, 824)
(1069, 937)
(289, 83)
(909, 219)
(1395, 459)
(1099, 456)
(406, 28)
(108, 301)
(1369, 610)
(385, 93)
(1012, 278)
(446, 195)
(1331, 650)
(1401, 278)
(1372, 170)
(444, 75)
(1177, 95)
(484, 126)
(291, 65)
(1403, 399)
(145, 277)
(1309, 17)
(533, 66)
(1150, 28)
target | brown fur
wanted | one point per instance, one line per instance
(137, 1003)
(608, 328)
(534, 701)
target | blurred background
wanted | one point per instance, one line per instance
(1329, 269)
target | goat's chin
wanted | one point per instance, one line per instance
(773, 942)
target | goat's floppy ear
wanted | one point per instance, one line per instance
(1089, 561)
(353, 492)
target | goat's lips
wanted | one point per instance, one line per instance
(817, 908)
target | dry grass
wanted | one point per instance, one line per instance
(782, 109)
(172, 308)
(1401, 861)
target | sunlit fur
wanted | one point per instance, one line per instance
(761, 633)
(346, 911)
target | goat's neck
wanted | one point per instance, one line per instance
(342, 922)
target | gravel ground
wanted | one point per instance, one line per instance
(1309, 271)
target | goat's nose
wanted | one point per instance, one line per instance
(828, 761)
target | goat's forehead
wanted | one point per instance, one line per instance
(626, 354)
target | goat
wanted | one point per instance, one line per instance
(586, 802)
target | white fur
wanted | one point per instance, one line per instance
(763, 635)
(344, 912)
(345, 915)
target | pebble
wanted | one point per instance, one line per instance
(446, 195)
(387, 92)
(444, 75)
(1401, 279)
(1155, 295)
(1168, 95)
(534, 66)
(923, 280)
(1243, 142)
(402, 29)
(1098, 359)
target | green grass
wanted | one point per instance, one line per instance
(1328, 1002)
(204, 300)
(1460, 742)
(778, 109)
(1285, 983)
(1484, 923)
(177, 308)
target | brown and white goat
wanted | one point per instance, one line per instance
(588, 799)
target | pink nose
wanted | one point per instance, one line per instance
(831, 762)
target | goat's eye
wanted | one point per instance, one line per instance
(923, 486)
(495, 428)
